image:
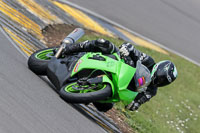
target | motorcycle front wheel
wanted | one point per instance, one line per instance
(74, 93)
(38, 61)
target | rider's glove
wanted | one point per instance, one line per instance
(133, 106)
(125, 49)
(141, 98)
(104, 46)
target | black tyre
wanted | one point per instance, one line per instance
(38, 61)
(71, 93)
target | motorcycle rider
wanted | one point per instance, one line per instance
(162, 73)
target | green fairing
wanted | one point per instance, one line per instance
(126, 74)
(121, 75)
(109, 65)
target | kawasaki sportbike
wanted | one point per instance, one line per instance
(89, 77)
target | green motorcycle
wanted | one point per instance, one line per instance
(89, 77)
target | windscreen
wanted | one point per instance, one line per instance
(142, 77)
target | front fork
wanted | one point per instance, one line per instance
(107, 80)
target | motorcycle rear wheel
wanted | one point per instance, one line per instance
(38, 61)
(87, 95)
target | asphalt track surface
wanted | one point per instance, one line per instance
(174, 24)
(28, 104)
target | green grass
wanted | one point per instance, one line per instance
(175, 108)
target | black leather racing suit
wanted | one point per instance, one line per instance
(107, 47)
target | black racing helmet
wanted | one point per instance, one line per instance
(163, 73)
